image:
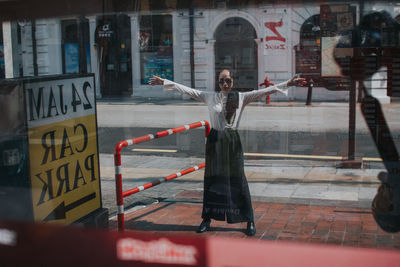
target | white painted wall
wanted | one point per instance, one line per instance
(278, 67)
(10, 42)
(48, 45)
(94, 62)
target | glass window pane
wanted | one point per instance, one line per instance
(156, 47)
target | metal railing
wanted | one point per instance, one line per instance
(120, 194)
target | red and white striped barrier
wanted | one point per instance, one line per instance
(117, 164)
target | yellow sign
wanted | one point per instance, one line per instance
(62, 130)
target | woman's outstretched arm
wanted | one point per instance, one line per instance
(255, 95)
(170, 85)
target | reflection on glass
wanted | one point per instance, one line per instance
(375, 42)
(291, 152)
(155, 42)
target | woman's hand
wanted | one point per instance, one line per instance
(155, 80)
(297, 81)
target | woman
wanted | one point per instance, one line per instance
(226, 192)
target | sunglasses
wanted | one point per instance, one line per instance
(225, 80)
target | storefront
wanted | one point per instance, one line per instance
(125, 49)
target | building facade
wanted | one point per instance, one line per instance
(189, 46)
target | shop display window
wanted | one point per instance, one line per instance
(155, 42)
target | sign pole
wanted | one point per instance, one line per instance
(351, 161)
(309, 92)
(352, 121)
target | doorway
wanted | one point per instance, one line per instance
(113, 44)
(235, 49)
(75, 46)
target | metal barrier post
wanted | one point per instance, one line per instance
(118, 184)
(120, 194)
(309, 93)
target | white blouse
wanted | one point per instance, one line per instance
(216, 102)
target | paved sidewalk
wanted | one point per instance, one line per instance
(296, 200)
(334, 225)
(299, 201)
(276, 181)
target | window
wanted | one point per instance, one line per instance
(241, 57)
(155, 42)
(75, 46)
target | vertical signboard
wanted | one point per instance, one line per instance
(276, 41)
(337, 21)
(276, 34)
(308, 51)
(62, 133)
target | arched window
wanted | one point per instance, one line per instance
(236, 50)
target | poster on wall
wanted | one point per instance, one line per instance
(159, 62)
(71, 53)
(329, 66)
(276, 27)
(157, 65)
(336, 39)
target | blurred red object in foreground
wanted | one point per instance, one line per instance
(27, 244)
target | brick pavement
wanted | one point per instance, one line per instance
(335, 225)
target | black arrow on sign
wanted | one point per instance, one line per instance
(60, 211)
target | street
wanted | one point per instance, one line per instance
(290, 117)
(319, 130)
(263, 142)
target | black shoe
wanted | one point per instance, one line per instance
(204, 226)
(251, 229)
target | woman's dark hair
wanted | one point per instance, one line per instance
(232, 103)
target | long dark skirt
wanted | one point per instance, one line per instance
(226, 192)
